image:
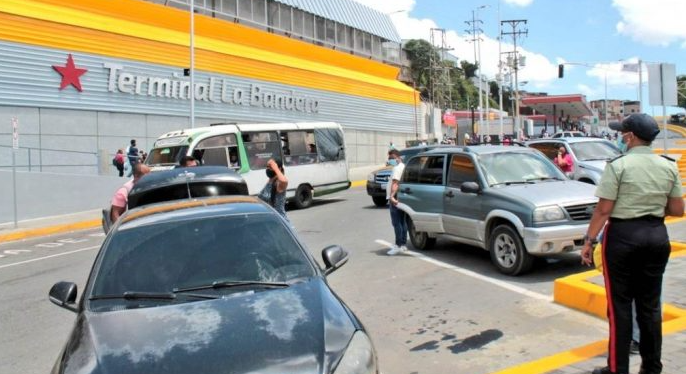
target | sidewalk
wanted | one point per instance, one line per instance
(91, 218)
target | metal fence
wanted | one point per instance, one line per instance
(38, 159)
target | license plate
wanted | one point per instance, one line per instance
(383, 186)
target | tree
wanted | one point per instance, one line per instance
(420, 53)
(454, 89)
(469, 68)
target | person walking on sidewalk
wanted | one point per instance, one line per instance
(398, 217)
(636, 190)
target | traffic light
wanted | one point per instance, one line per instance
(560, 70)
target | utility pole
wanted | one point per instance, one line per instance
(476, 31)
(440, 73)
(515, 24)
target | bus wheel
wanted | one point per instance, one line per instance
(303, 197)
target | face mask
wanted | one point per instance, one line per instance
(623, 143)
(270, 173)
(393, 162)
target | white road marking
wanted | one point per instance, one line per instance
(496, 282)
(51, 256)
(16, 251)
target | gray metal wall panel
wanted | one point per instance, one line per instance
(351, 13)
(27, 79)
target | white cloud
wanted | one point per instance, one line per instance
(656, 22)
(521, 3)
(589, 91)
(614, 73)
(539, 71)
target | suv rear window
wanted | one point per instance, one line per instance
(425, 170)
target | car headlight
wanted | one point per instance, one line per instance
(549, 213)
(358, 357)
(370, 177)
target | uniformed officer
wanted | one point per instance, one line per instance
(635, 191)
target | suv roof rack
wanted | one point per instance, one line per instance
(499, 143)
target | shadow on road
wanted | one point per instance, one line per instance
(478, 260)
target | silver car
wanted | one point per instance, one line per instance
(511, 201)
(590, 155)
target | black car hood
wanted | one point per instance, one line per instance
(300, 329)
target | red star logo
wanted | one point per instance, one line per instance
(70, 74)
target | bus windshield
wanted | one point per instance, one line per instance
(166, 155)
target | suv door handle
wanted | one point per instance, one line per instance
(407, 190)
(450, 194)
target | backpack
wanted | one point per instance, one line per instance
(114, 161)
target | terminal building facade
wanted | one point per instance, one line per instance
(83, 77)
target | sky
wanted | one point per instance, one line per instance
(596, 38)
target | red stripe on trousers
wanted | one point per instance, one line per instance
(612, 356)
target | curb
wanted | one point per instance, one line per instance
(82, 225)
(50, 230)
(575, 292)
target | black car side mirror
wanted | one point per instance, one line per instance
(334, 257)
(470, 187)
(64, 294)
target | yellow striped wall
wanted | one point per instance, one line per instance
(147, 32)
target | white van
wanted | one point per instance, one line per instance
(313, 154)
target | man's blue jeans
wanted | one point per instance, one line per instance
(399, 222)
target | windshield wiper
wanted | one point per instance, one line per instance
(230, 284)
(597, 159)
(133, 295)
(513, 182)
(545, 179)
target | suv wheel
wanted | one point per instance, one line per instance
(420, 240)
(507, 251)
(379, 200)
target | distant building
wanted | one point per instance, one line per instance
(614, 109)
(631, 107)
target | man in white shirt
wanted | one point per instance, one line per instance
(398, 217)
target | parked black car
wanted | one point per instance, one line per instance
(378, 179)
(210, 285)
(182, 183)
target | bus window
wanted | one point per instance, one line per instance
(299, 147)
(166, 156)
(216, 150)
(260, 147)
(329, 144)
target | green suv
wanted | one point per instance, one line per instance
(512, 201)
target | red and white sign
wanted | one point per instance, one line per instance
(70, 74)
(15, 133)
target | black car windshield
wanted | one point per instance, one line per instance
(591, 151)
(255, 248)
(166, 155)
(518, 167)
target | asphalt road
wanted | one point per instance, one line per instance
(442, 311)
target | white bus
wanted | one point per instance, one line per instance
(313, 154)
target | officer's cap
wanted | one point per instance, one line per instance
(642, 125)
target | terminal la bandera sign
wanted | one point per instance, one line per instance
(212, 89)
